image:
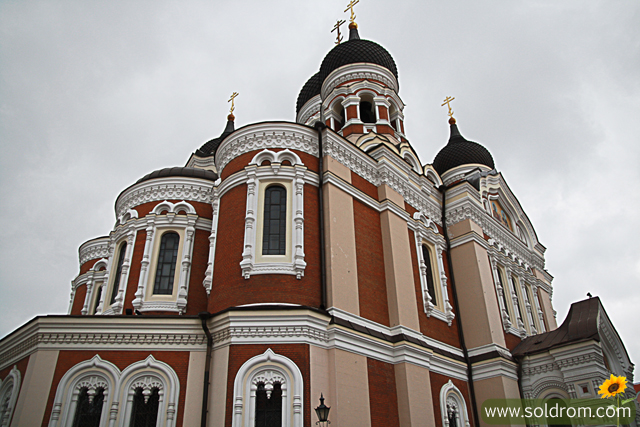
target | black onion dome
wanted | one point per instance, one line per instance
(354, 51)
(310, 89)
(209, 148)
(459, 152)
(180, 171)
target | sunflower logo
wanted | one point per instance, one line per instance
(613, 386)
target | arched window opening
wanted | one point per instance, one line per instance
(367, 112)
(116, 280)
(338, 116)
(89, 408)
(4, 406)
(145, 408)
(269, 405)
(166, 268)
(275, 221)
(97, 301)
(452, 406)
(452, 413)
(504, 291)
(431, 290)
(393, 112)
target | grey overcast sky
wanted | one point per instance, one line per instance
(96, 94)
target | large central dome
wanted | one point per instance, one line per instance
(355, 51)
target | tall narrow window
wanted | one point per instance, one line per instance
(504, 291)
(116, 280)
(269, 406)
(97, 302)
(275, 221)
(89, 408)
(426, 256)
(145, 408)
(167, 259)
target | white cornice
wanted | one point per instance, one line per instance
(159, 189)
(94, 249)
(495, 368)
(358, 71)
(309, 109)
(267, 135)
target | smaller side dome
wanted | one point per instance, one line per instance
(310, 89)
(180, 171)
(459, 152)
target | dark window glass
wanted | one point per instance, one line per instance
(275, 221)
(367, 115)
(451, 417)
(167, 259)
(97, 303)
(145, 414)
(427, 260)
(116, 280)
(88, 410)
(269, 408)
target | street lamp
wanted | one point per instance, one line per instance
(323, 412)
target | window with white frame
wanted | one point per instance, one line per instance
(262, 378)
(96, 393)
(9, 388)
(433, 280)
(274, 220)
(453, 408)
(163, 284)
(115, 287)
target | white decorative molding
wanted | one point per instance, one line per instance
(358, 71)
(495, 368)
(452, 401)
(9, 389)
(310, 110)
(267, 135)
(94, 249)
(268, 367)
(159, 189)
(208, 275)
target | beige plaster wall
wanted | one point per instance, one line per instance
(547, 309)
(401, 296)
(494, 388)
(195, 384)
(329, 164)
(217, 387)
(34, 391)
(413, 387)
(319, 378)
(349, 383)
(476, 295)
(340, 244)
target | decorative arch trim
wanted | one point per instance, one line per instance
(9, 389)
(268, 368)
(451, 399)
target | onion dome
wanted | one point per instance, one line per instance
(180, 171)
(459, 152)
(209, 148)
(356, 50)
(310, 89)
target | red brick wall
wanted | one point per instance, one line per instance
(78, 299)
(511, 340)
(197, 299)
(179, 361)
(352, 129)
(231, 289)
(383, 399)
(363, 185)
(430, 326)
(410, 209)
(385, 129)
(87, 266)
(383, 113)
(298, 353)
(372, 289)
(134, 270)
(437, 381)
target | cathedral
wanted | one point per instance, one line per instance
(292, 267)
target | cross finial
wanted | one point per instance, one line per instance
(233, 97)
(350, 6)
(447, 101)
(337, 27)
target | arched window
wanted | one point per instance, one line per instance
(97, 301)
(431, 290)
(166, 269)
(8, 395)
(145, 408)
(367, 112)
(504, 290)
(89, 408)
(274, 232)
(268, 377)
(269, 405)
(452, 407)
(116, 280)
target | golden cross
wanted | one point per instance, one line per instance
(337, 27)
(447, 100)
(350, 6)
(233, 97)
